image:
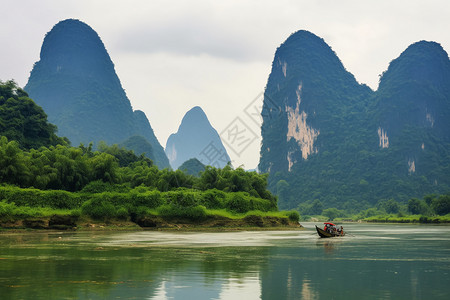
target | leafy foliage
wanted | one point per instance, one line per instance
(124, 156)
(59, 167)
(192, 167)
(114, 183)
(188, 204)
(441, 205)
(24, 121)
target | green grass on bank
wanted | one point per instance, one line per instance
(10, 212)
(409, 219)
(383, 218)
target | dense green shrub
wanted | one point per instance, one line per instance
(122, 213)
(7, 210)
(181, 198)
(11, 212)
(98, 186)
(238, 202)
(241, 202)
(37, 198)
(116, 199)
(261, 204)
(238, 180)
(195, 213)
(293, 216)
(99, 209)
(441, 205)
(213, 199)
(141, 211)
(22, 197)
(150, 199)
(192, 213)
(61, 199)
(418, 207)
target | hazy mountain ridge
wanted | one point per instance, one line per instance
(327, 137)
(196, 138)
(76, 84)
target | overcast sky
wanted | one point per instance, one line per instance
(173, 55)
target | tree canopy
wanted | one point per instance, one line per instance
(23, 120)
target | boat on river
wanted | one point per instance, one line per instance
(330, 231)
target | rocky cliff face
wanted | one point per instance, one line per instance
(326, 137)
(196, 138)
(76, 84)
(412, 112)
(414, 91)
(307, 97)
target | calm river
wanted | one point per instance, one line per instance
(374, 262)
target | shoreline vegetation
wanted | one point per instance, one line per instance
(384, 218)
(140, 208)
(413, 219)
(212, 223)
(431, 209)
(23, 217)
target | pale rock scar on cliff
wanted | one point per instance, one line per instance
(299, 130)
(383, 137)
(172, 154)
(430, 119)
(283, 67)
(411, 166)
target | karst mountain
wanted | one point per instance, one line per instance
(326, 137)
(76, 84)
(196, 138)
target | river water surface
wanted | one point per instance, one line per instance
(375, 261)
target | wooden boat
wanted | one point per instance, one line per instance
(325, 234)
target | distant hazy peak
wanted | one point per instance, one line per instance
(194, 139)
(195, 118)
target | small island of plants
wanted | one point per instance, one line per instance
(66, 187)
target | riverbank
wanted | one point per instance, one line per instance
(420, 219)
(211, 223)
(410, 219)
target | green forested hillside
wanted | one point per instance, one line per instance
(329, 140)
(76, 84)
(140, 146)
